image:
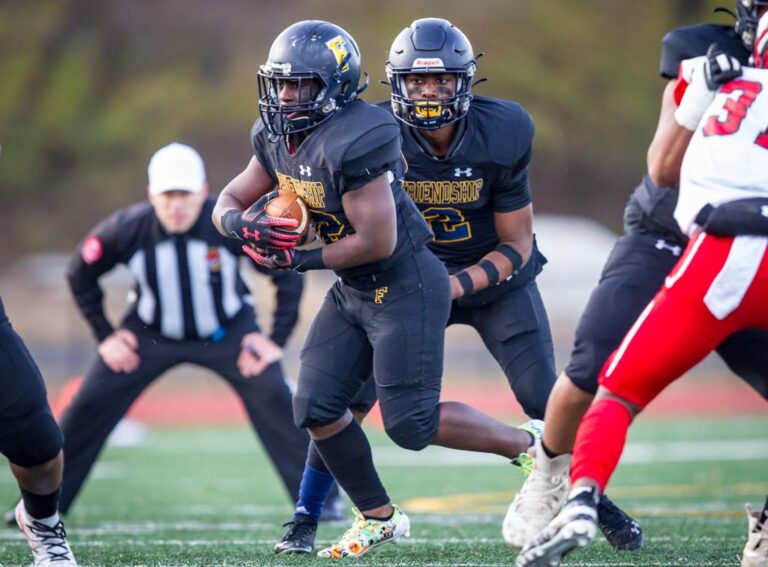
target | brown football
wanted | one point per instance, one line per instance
(288, 205)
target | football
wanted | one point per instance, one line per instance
(288, 205)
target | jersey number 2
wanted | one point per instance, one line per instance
(736, 110)
(448, 224)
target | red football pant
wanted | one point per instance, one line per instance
(719, 287)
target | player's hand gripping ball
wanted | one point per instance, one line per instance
(288, 205)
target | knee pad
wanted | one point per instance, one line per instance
(414, 432)
(35, 443)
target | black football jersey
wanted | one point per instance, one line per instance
(485, 171)
(356, 145)
(651, 208)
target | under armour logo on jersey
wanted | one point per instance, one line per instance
(305, 170)
(458, 172)
(662, 245)
(764, 211)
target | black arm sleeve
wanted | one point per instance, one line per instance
(372, 154)
(96, 255)
(290, 286)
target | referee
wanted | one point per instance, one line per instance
(191, 305)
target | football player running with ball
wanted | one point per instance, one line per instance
(385, 316)
(635, 270)
(467, 173)
(718, 288)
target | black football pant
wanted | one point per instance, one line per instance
(105, 397)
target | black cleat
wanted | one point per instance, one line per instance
(300, 537)
(621, 531)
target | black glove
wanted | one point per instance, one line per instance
(720, 67)
(258, 229)
(287, 259)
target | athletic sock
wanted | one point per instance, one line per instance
(41, 506)
(316, 483)
(347, 454)
(600, 441)
(547, 452)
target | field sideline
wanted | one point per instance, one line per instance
(207, 496)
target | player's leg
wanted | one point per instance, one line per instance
(32, 442)
(103, 399)
(707, 297)
(744, 353)
(316, 483)
(631, 276)
(335, 359)
(515, 330)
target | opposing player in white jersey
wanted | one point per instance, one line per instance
(719, 286)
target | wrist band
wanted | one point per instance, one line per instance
(228, 222)
(466, 282)
(490, 270)
(308, 260)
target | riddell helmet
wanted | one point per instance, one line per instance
(431, 45)
(311, 50)
(760, 51)
(746, 19)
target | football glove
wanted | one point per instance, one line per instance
(720, 67)
(257, 228)
(287, 259)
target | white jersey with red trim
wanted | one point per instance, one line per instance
(727, 158)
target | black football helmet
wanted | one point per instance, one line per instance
(746, 19)
(311, 50)
(431, 45)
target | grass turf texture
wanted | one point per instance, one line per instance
(209, 497)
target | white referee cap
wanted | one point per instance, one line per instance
(176, 167)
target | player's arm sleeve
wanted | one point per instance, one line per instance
(290, 286)
(372, 154)
(97, 254)
(259, 141)
(512, 188)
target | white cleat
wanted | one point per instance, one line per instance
(756, 550)
(574, 527)
(539, 500)
(47, 539)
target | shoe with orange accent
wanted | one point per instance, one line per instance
(365, 534)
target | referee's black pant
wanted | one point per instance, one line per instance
(105, 397)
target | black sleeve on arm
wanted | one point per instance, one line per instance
(96, 255)
(372, 154)
(289, 286)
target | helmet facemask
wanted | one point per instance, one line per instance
(311, 107)
(432, 113)
(746, 20)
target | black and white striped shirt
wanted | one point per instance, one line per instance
(188, 285)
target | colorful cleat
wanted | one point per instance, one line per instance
(574, 527)
(366, 534)
(539, 500)
(525, 460)
(756, 550)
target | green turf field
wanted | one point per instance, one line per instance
(208, 497)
